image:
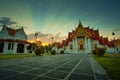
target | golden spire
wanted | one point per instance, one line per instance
(80, 24)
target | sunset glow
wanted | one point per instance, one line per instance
(43, 43)
(52, 17)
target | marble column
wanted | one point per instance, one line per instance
(5, 49)
(73, 45)
(25, 48)
(15, 48)
(89, 46)
(76, 49)
(86, 48)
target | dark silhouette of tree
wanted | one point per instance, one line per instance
(7, 21)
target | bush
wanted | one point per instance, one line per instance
(100, 52)
(53, 52)
(39, 51)
(30, 51)
(94, 52)
(62, 52)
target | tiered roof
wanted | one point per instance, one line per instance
(11, 32)
(88, 32)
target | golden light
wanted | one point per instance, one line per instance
(42, 43)
(31, 41)
(45, 43)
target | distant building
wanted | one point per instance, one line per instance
(13, 41)
(84, 40)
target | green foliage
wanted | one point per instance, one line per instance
(53, 52)
(99, 51)
(111, 64)
(94, 52)
(30, 51)
(39, 51)
(31, 46)
(62, 52)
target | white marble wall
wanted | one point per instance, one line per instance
(14, 50)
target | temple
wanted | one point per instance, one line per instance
(12, 41)
(84, 40)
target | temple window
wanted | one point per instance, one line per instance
(95, 45)
(105, 47)
(64, 48)
(10, 46)
(71, 46)
(1, 47)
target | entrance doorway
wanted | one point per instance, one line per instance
(81, 45)
(1, 47)
(20, 48)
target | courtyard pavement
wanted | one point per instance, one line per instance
(53, 67)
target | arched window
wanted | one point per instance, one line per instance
(71, 46)
(10, 46)
(64, 48)
(95, 45)
(104, 47)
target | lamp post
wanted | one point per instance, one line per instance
(113, 34)
(52, 40)
(36, 34)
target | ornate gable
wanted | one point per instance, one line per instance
(11, 31)
(80, 31)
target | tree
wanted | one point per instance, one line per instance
(7, 21)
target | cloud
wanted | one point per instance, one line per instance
(57, 35)
(46, 37)
(117, 29)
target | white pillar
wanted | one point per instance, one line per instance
(73, 45)
(89, 46)
(5, 49)
(76, 45)
(15, 48)
(86, 49)
(69, 47)
(92, 46)
(25, 48)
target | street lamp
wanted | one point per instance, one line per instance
(52, 40)
(36, 34)
(113, 34)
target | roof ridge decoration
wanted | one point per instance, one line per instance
(80, 31)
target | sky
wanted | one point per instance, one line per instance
(58, 17)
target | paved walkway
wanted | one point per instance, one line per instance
(58, 67)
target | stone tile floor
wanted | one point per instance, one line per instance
(53, 67)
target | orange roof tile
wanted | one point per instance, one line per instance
(11, 31)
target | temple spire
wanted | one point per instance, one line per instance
(80, 24)
(79, 21)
